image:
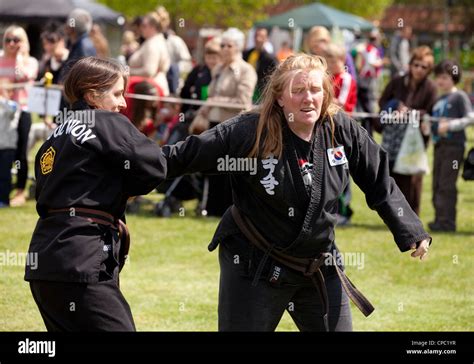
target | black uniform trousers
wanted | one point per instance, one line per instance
(74, 306)
(244, 307)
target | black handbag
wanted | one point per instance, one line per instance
(468, 172)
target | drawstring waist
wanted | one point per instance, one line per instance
(309, 267)
(102, 218)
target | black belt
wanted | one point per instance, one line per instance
(102, 218)
(310, 267)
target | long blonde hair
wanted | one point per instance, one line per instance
(269, 137)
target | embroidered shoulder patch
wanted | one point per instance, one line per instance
(47, 160)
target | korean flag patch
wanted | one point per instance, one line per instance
(337, 156)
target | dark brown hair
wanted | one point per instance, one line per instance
(139, 107)
(449, 67)
(92, 74)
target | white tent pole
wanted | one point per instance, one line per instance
(297, 38)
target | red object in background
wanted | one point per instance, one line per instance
(132, 81)
(345, 90)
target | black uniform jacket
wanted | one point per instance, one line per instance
(274, 198)
(97, 160)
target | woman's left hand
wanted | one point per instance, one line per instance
(422, 250)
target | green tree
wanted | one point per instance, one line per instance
(219, 13)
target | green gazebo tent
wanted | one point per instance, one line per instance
(303, 18)
(308, 16)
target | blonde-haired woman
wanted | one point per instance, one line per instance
(152, 58)
(277, 243)
(16, 66)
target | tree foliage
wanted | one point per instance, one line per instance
(216, 13)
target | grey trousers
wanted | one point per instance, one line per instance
(447, 163)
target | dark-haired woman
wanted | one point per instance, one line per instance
(413, 91)
(87, 169)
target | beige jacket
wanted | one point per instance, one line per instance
(152, 60)
(233, 84)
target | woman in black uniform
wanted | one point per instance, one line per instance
(85, 172)
(290, 160)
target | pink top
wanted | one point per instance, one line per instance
(21, 69)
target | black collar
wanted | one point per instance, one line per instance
(80, 104)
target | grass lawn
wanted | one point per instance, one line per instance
(171, 281)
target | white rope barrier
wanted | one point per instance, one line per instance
(394, 115)
(178, 100)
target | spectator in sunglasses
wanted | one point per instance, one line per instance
(16, 66)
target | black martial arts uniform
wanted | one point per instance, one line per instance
(85, 172)
(255, 288)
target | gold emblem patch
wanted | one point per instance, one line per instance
(47, 160)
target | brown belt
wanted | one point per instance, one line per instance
(310, 267)
(102, 218)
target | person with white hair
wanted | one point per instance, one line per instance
(78, 26)
(233, 82)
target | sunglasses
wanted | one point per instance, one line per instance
(224, 45)
(14, 40)
(419, 65)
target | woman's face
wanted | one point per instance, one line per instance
(302, 97)
(419, 69)
(111, 100)
(146, 29)
(12, 44)
(229, 50)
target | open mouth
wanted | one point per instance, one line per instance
(307, 109)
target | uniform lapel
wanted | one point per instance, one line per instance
(295, 173)
(317, 177)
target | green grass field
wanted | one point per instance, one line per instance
(171, 281)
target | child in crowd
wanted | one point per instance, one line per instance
(448, 147)
(345, 89)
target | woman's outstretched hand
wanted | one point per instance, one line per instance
(422, 250)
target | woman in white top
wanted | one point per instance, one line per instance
(152, 58)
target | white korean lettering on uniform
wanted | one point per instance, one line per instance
(269, 182)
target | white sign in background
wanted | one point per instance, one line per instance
(43, 104)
